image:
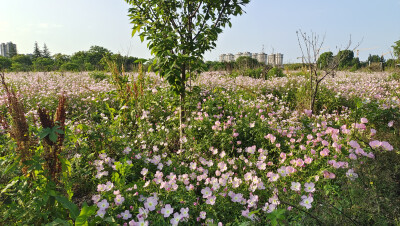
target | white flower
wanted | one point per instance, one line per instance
(296, 186)
(306, 201)
(167, 210)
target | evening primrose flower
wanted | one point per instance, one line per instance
(274, 177)
(101, 213)
(119, 200)
(144, 171)
(222, 166)
(109, 185)
(96, 198)
(296, 186)
(351, 174)
(354, 144)
(386, 146)
(282, 171)
(237, 198)
(176, 219)
(167, 210)
(185, 212)
(306, 201)
(309, 187)
(375, 143)
(211, 200)
(103, 204)
(126, 215)
(206, 192)
(151, 203)
(203, 215)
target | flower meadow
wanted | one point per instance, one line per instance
(250, 154)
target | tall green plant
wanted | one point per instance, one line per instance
(179, 33)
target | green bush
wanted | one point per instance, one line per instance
(275, 72)
(69, 67)
(98, 75)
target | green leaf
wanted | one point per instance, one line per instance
(86, 212)
(11, 167)
(73, 209)
(8, 186)
(44, 132)
(53, 137)
(58, 222)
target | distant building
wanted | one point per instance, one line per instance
(8, 49)
(275, 60)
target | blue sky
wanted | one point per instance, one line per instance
(68, 26)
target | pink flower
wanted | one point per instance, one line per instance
(308, 112)
(351, 174)
(203, 215)
(375, 144)
(364, 120)
(324, 152)
(329, 175)
(126, 215)
(309, 187)
(119, 200)
(386, 146)
(211, 200)
(206, 192)
(354, 144)
(103, 204)
(390, 124)
(296, 186)
(306, 201)
(151, 203)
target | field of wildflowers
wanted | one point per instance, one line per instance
(251, 153)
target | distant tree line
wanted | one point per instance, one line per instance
(349, 62)
(96, 58)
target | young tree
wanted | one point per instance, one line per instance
(46, 52)
(310, 46)
(179, 32)
(36, 51)
(324, 60)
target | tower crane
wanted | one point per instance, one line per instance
(383, 54)
(358, 50)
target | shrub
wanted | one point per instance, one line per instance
(275, 72)
(98, 75)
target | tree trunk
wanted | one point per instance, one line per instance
(182, 112)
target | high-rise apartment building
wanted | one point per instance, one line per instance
(8, 49)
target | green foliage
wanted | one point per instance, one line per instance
(43, 64)
(180, 32)
(275, 72)
(46, 52)
(346, 59)
(5, 63)
(21, 63)
(245, 62)
(69, 66)
(294, 66)
(391, 63)
(52, 133)
(36, 51)
(94, 56)
(374, 58)
(324, 60)
(98, 75)
(396, 49)
(60, 59)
